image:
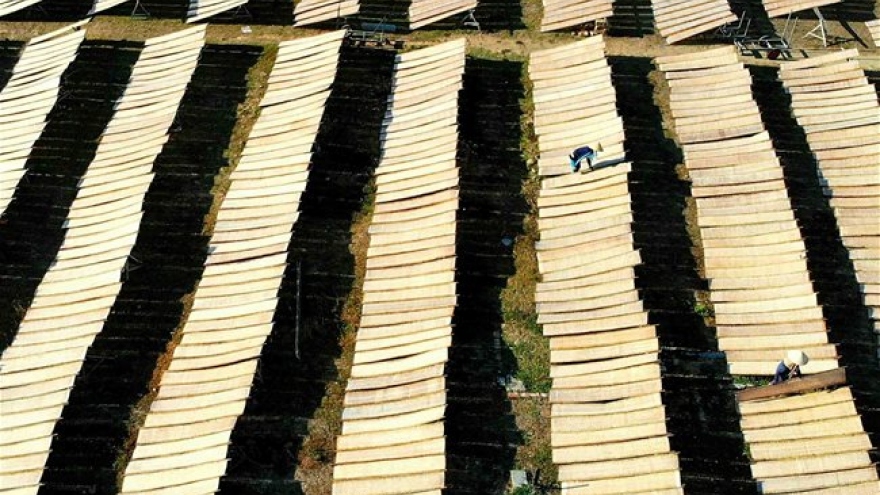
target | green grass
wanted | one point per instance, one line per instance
(751, 381)
(524, 490)
(521, 331)
(533, 12)
(703, 309)
(522, 334)
(248, 112)
(535, 454)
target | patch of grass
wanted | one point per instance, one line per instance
(750, 381)
(533, 12)
(318, 451)
(135, 421)
(522, 334)
(521, 331)
(484, 52)
(703, 309)
(529, 140)
(524, 490)
(535, 454)
(421, 38)
(248, 112)
(530, 349)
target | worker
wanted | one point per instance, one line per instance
(790, 366)
(584, 153)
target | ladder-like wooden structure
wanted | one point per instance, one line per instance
(837, 107)
(392, 439)
(27, 99)
(608, 423)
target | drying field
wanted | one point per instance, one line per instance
(284, 442)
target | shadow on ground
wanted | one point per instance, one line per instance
(10, 51)
(631, 18)
(480, 429)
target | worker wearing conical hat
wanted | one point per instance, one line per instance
(790, 366)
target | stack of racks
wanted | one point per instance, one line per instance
(561, 14)
(776, 8)
(608, 424)
(874, 29)
(28, 97)
(677, 20)
(202, 9)
(314, 11)
(424, 12)
(575, 105)
(11, 6)
(813, 441)
(837, 107)
(753, 250)
(392, 439)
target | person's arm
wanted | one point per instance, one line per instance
(795, 372)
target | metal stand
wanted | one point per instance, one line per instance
(131, 264)
(144, 13)
(38, 9)
(471, 21)
(298, 306)
(340, 22)
(820, 31)
(774, 46)
(734, 30)
(241, 11)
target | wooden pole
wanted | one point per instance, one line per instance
(298, 305)
(809, 383)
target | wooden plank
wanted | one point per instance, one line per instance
(622, 468)
(809, 447)
(622, 452)
(415, 449)
(800, 385)
(819, 481)
(810, 465)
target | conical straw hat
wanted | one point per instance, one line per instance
(599, 147)
(797, 357)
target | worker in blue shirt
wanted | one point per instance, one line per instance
(790, 366)
(578, 156)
